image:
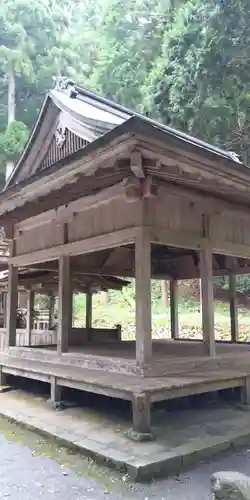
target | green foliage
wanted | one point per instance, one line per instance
(13, 140)
(200, 81)
(242, 283)
(184, 62)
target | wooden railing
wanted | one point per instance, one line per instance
(38, 337)
(77, 337)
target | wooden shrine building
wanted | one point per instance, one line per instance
(101, 192)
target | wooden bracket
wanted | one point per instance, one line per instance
(136, 164)
(136, 189)
(149, 189)
(7, 230)
(132, 189)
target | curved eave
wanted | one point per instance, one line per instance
(122, 114)
(30, 142)
(106, 104)
(133, 131)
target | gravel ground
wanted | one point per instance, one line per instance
(25, 476)
(26, 473)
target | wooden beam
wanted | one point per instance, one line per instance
(64, 303)
(207, 300)
(193, 241)
(125, 273)
(12, 300)
(88, 245)
(143, 297)
(89, 309)
(30, 314)
(174, 309)
(233, 308)
(179, 239)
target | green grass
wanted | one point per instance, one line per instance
(120, 309)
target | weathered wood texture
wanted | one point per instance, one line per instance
(183, 221)
(71, 144)
(12, 300)
(77, 337)
(37, 338)
(181, 214)
(233, 308)
(88, 309)
(55, 391)
(174, 321)
(71, 371)
(182, 224)
(30, 315)
(64, 304)
(207, 300)
(113, 358)
(143, 298)
(83, 336)
(141, 413)
(86, 223)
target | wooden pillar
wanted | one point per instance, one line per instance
(30, 315)
(245, 392)
(51, 309)
(141, 413)
(12, 298)
(3, 377)
(64, 304)
(72, 305)
(5, 310)
(55, 392)
(164, 293)
(174, 309)
(89, 309)
(207, 300)
(233, 308)
(143, 298)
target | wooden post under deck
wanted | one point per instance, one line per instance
(64, 304)
(233, 308)
(207, 300)
(89, 309)
(12, 298)
(30, 314)
(143, 298)
(174, 309)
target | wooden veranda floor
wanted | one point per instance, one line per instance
(161, 349)
(101, 369)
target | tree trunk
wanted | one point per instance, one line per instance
(164, 293)
(11, 111)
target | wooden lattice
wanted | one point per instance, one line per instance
(55, 153)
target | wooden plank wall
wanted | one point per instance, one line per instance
(230, 228)
(36, 238)
(105, 218)
(182, 214)
(178, 211)
(174, 212)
